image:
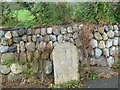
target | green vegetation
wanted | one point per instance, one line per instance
(92, 75)
(7, 62)
(70, 84)
(44, 13)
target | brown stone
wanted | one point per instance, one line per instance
(23, 57)
(29, 56)
(10, 42)
(78, 42)
(45, 55)
(36, 55)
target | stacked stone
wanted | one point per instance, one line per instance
(106, 44)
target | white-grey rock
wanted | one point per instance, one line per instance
(42, 46)
(47, 67)
(15, 34)
(3, 49)
(53, 38)
(105, 37)
(60, 38)
(110, 61)
(115, 41)
(4, 69)
(101, 44)
(43, 31)
(116, 27)
(49, 30)
(56, 31)
(24, 38)
(30, 46)
(113, 50)
(98, 36)
(93, 43)
(101, 30)
(11, 77)
(102, 61)
(75, 35)
(110, 34)
(106, 28)
(16, 68)
(98, 52)
(117, 33)
(55, 43)
(93, 61)
(63, 30)
(109, 43)
(22, 46)
(8, 35)
(69, 29)
(80, 26)
(34, 38)
(2, 33)
(106, 52)
(110, 27)
(71, 40)
(66, 37)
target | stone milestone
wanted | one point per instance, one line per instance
(66, 62)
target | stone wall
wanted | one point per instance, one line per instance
(31, 46)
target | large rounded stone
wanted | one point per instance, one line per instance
(69, 29)
(36, 55)
(11, 77)
(115, 41)
(117, 33)
(2, 33)
(4, 41)
(47, 67)
(49, 30)
(56, 31)
(93, 61)
(101, 30)
(98, 52)
(24, 38)
(39, 38)
(21, 32)
(30, 46)
(3, 49)
(93, 43)
(75, 35)
(29, 31)
(113, 50)
(16, 39)
(116, 27)
(66, 37)
(106, 28)
(7, 56)
(16, 68)
(22, 46)
(110, 61)
(63, 30)
(109, 43)
(4, 69)
(46, 38)
(42, 46)
(12, 48)
(34, 38)
(110, 34)
(53, 38)
(60, 38)
(102, 61)
(8, 35)
(98, 36)
(43, 31)
(37, 31)
(15, 34)
(45, 55)
(105, 37)
(106, 52)
(23, 57)
(29, 38)
(49, 45)
(101, 44)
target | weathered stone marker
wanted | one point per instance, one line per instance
(66, 62)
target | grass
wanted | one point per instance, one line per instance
(7, 62)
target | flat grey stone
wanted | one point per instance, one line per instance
(104, 83)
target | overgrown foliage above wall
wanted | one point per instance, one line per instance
(44, 13)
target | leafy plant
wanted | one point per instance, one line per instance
(92, 75)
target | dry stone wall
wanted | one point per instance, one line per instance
(30, 45)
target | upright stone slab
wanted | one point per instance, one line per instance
(66, 62)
